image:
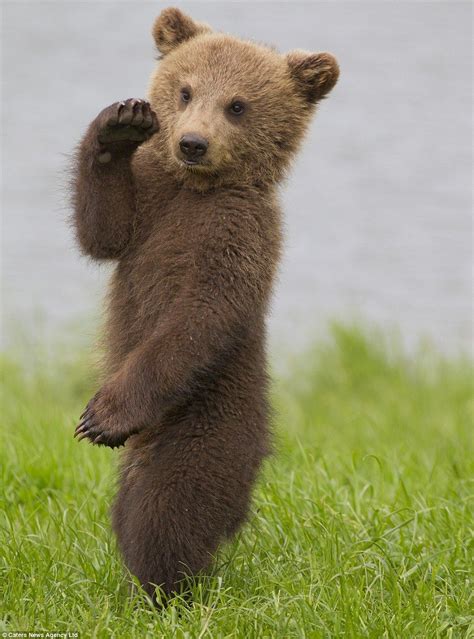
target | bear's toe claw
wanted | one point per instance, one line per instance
(137, 119)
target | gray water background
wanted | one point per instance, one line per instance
(378, 205)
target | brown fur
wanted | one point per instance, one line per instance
(196, 250)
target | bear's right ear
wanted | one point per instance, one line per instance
(172, 27)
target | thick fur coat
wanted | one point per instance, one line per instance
(180, 191)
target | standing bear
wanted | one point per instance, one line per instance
(181, 191)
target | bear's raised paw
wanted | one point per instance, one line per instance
(125, 125)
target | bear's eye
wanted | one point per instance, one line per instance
(185, 95)
(237, 108)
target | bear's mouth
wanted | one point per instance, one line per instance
(195, 164)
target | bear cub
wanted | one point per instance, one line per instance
(180, 190)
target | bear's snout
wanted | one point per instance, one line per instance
(193, 147)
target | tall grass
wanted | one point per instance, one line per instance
(362, 523)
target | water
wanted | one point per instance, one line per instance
(378, 207)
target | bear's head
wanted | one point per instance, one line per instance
(231, 110)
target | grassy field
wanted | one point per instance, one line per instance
(362, 524)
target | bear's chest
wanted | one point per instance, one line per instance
(163, 261)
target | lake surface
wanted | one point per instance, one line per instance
(378, 205)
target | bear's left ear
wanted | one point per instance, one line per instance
(315, 73)
(172, 27)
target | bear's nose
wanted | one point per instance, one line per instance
(193, 146)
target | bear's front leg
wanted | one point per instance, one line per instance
(103, 186)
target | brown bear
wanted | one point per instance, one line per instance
(181, 191)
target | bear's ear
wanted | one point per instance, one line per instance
(172, 27)
(314, 73)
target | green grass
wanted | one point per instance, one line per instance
(362, 523)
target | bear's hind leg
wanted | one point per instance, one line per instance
(167, 527)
